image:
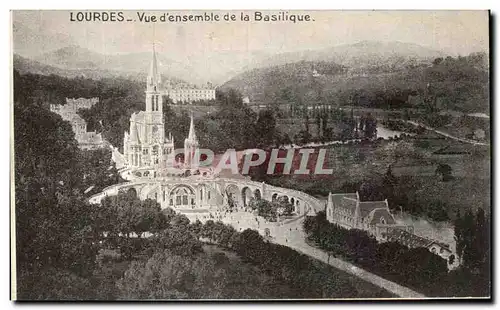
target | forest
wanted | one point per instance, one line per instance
(451, 83)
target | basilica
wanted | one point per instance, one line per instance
(146, 144)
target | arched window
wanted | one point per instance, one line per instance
(183, 196)
(382, 220)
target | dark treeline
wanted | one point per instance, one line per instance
(332, 125)
(54, 89)
(52, 175)
(416, 268)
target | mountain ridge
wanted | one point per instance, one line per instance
(219, 68)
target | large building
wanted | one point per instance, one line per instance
(189, 94)
(86, 139)
(349, 211)
(146, 143)
(374, 217)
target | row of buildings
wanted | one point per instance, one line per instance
(68, 112)
(374, 217)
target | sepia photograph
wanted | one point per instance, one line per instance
(218, 155)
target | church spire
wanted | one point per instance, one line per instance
(154, 78)
(192, 133)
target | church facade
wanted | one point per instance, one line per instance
(146, 143)
(347, 210)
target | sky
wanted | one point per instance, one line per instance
(453, 32)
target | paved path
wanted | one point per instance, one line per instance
(292, 235)
(448, 135)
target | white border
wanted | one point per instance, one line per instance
(5, 110)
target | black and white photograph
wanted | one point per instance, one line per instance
(214, 155)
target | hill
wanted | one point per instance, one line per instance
(29, 66)
(460, 83)
(132, 65)
(92, 70)
(359, 55)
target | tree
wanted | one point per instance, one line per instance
(302, 137)
(48, 182)
(53, 284)
(196, 228)
(168, 276)
(482, 243)
(437, 210)
(445, 172)
(372, 190)
(464, 236)
(178, 240)
(422, 267)
(437, 61)
(249, 244)
(265, 127)
(472, 241)
(369, 127)
(284, 204)
(389, 184)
